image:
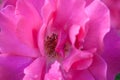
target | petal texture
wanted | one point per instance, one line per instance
(98, 25)
(54, 72)
(9, 43)
(112, 53)
(12, 67)
(28, 24)
(35, 70)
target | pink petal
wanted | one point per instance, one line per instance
(9, 43)
(77, 60)
(41, 37)
(28, 24)
(38, 4)
(54, 72)
(12, 67)
(98, 68)
(67, 16)
(48, 10)
(9, 2)
(74, 30)
(62, 39)
(114, 7)
(35, 70)
(79, 75)
(112, 53)
(11, 10)
(98, 25)
(83, 75)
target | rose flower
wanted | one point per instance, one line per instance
(53, 40)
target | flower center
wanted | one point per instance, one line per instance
(50, 44)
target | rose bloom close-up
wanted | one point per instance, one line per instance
(59, 40)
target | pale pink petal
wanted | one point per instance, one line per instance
(48, 10)
(54, 72)
(77, 60)
(98, 68)
(28, 24)
(98, 25)
(35, 70)
(74, 30)
(112, 53)
(9, 43)
(12, 67)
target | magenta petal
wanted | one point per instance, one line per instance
(83, 75)
(78, 60)
(98, 68)
(9, 43)
(112, 53)
(98, 25)
(79, 75)
(74, 14)
(11, 10)
(28, 24)
(41, 37)
(10, 2)
(62, 39)
(12, 67)
(35, 70)
(38, 4)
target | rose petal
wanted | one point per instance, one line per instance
(48, 10)
(62, 39)
(12, 67)
(38, 4)
(112, 53)
(114, 7)
(98, 25)
(11, 10)
(98, 68)
(28, 24)
(9, 43)
(67, 16)
(35, 70)
(77, 60)
(78, 75)
(54, 72)
(9, 2)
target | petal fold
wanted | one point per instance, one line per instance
(98, 25)
(12, 67)
(111, 53)
(35, 70)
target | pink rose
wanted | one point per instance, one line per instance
(55, 39)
